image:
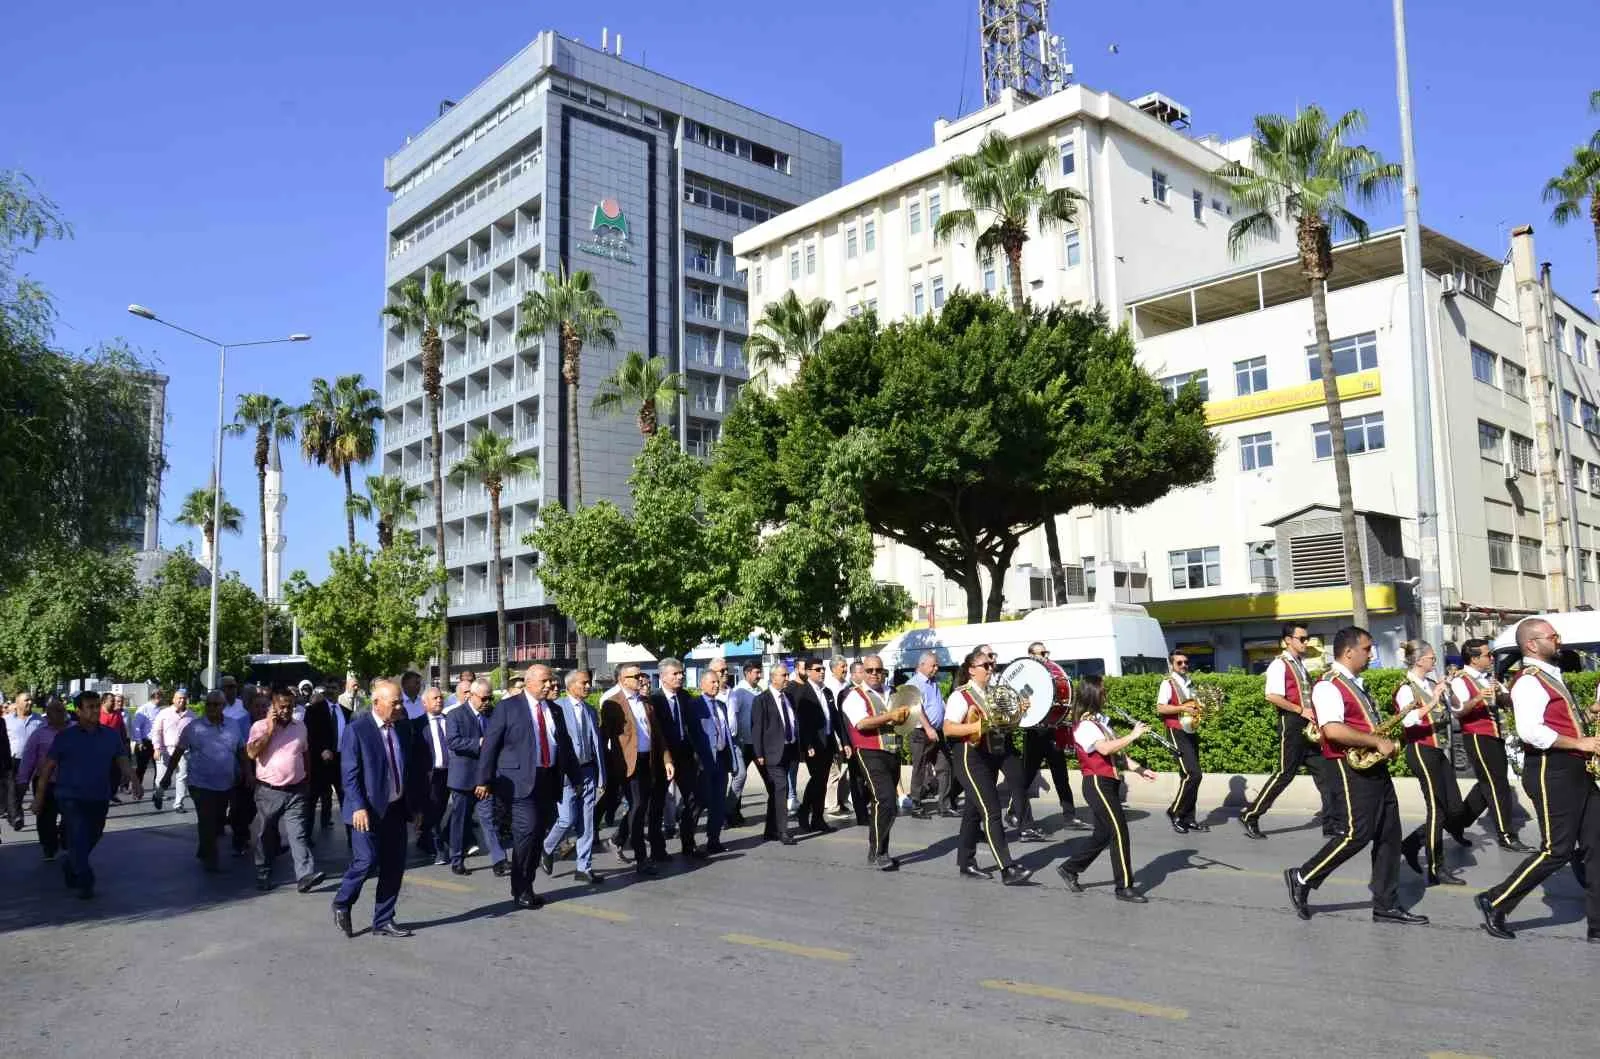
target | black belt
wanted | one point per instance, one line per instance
(289, 788)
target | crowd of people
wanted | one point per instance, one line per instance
(539, 771)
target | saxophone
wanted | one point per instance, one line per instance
(1361, 757)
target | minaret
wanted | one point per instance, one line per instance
(276, 502)
(205, 546)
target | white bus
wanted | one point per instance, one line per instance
(1085, 639)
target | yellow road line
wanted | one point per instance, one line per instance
(1045, 992)
(1455, 1055)
(809, 952)
(593, 913)
(440, 884)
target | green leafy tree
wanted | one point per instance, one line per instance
(441, 307)
(367, 616)
(659, 578)
(1575, 192)
(339, 431)
(27, 219)
(272, 420)
(390, 502)
(931, 419)
(53, 622)
(639, 382)
(788, 332)
(1304, 172)
(197, 510)
(161, 634)
(489, 461)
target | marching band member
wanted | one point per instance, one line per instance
(977, 765)
(1426, 742)
(1288, 687)
(877, 758)
(1555, 776)
(1042, 746)
(1371, 812)
(1098, 750)
(1175, 699)
(1479, 693)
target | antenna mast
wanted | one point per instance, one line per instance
(1019, 51)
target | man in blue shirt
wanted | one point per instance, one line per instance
(79, 768)
(930, 754)
(216, 760)
(21, 722)
(740, 701)
(575, 812)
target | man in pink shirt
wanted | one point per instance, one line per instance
(169, 725)
(279, 748)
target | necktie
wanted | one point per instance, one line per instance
(788, 721)
(677, 720)
(544, 740)
(442, 757)
(394, 763)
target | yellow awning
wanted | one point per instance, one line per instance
(1272, 606)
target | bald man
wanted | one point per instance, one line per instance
(376, 761)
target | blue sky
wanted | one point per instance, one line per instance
(222, 163)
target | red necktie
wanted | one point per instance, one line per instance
(544, 741)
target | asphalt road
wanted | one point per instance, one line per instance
(772, 950)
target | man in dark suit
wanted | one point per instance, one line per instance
(638, 760)
(671, 708)
(433, 752)
(377, 800)
(463, 729)
(525, 755)
(713, 745)
(773, 737)
(817, 716)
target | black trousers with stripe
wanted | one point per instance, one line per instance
(877, 771)
(1371, 815)
(1566, 803)
(1101, 795)
(1038, 749)
(1294, 751)
(1487, 756)
(1431, 766)
(977, 770)
(1182, 807)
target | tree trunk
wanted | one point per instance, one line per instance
(438, 536)
(1014, 272)
(571, 367)
(1341, 460)
(997, 581)
(261, 503)
(973, 587)
(349, 515)
(499, 585)
(1594, 216)
(1058, 573)
(385, 534)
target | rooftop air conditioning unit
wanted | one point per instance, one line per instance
(1508, 470)
(1449, 285)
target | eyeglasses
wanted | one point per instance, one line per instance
(979, 665)
(1297, 639)
(878, 669)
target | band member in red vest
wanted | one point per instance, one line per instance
(1480, 697)
(1099, 752)
(1288, 687)
(1173, 702)
(979, 752)
(1558, 748)
(877, 758)
(1427, 736)
(1371, 812)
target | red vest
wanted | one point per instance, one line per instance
(1479, 718)
(1174, 720)
(1560, 713)
(1422, 733)
(1093, 763)
(872, 740)
(974, 713)
(1292, 689)
(1355, 711)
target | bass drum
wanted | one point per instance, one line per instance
(1045, 685)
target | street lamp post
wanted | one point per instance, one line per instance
(216, 465)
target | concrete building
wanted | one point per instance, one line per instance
(277, 502)
(573, 156)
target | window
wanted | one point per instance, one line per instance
(1569, 406)
(700, 347)
(1514, 379)
(917, 304)
(1263, 556)
(1250, 376)
(733, 352)
(811, 259)
(1173, 384)
(938, 292)
(872, 305)
(1195, 568)
(1560, 336)
(1069, 155)
(1522, 453)
(989, 280)
(850, 242)
(1074, 249)
(702, 437)
(702, 395)
(1199, 205)
(758, 279)
(1528, 555)
(725, 198)
(794, 264)
(1361, 434)
(869, 237)
(1255, 451)
(1583, 565)
(1594, 479)
(914, 217)
(1580, 346)
(1158, 185)
(1482, 364)
(1577, 473)
(1500, 552)
(934, 210)
(1351, 354)
(1491, 441)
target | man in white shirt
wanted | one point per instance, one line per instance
(1480, 697)
(141, 732)
(1555, 733)
(740, 701)
(1173, 702)
(236, 712)
(1288, 688)
(411, 694)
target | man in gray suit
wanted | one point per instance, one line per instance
(575, 813)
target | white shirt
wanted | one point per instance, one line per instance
(1089, 734)
(1468, 683)
(791, 733)
(719, 726)
(235, 711)
(1406, 698)
(1326, 699)
(545, 742)
(437, 724)
(1277, 681)
(835, 685)
(392, 755)
(413, 707)
(955, 707)
(1164, 697)
(854, 704)
(1528, 701)
(641, 722)
(144, 719)
(827, 719)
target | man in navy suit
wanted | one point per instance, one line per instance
(525, 753)
(464, 735)
(671, 709)
(374, 756)
(433, 752)
(773, 735)
(713, 746)
(578, 801)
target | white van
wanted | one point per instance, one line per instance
(1579, 631)
(1085, 639)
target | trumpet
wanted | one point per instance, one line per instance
(1153, 732)
(1361, 757)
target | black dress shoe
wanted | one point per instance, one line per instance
(1194, 826)
(1070, 878)
(824, 828)
(697, 853)
(660, 856)
(1594, 937)
(788, 839)
(1011, 819)
(547, 861)
(1015, 875)
(459, 869)
(1409, 848)
(972, 871)
(1330, 831)
(391, 930)
(1513, 844)
(888, 863)
(588, 878)
(263, 884)
(501, 869)
(950, 813)
(1299, 893)
(1580, 872)
(921, 814)
(310, 882)
(1398, 915)
(440, 860)
(1178, 825)
(1494, 921)
(1446, 877)
(1072, 823)
(1251, 828)
(1459, 835)
(1031, 834)
(341, 919)
(528, 900)
(1130, 895)
(714, 848)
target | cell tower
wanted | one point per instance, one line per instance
(1019, 51)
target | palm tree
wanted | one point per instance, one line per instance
(197, 509)
(641, 381)
(390, 502)
(1579, 183)
(490, 461)
(1006, 182)
(339, 431)
(272, 420)
(1303, 171)
(442, 306)
(789, 330)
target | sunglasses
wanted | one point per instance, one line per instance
(979, 665)
(878, 669)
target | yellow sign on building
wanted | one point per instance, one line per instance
(1291, 398)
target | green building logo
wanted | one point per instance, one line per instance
(608, 216)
